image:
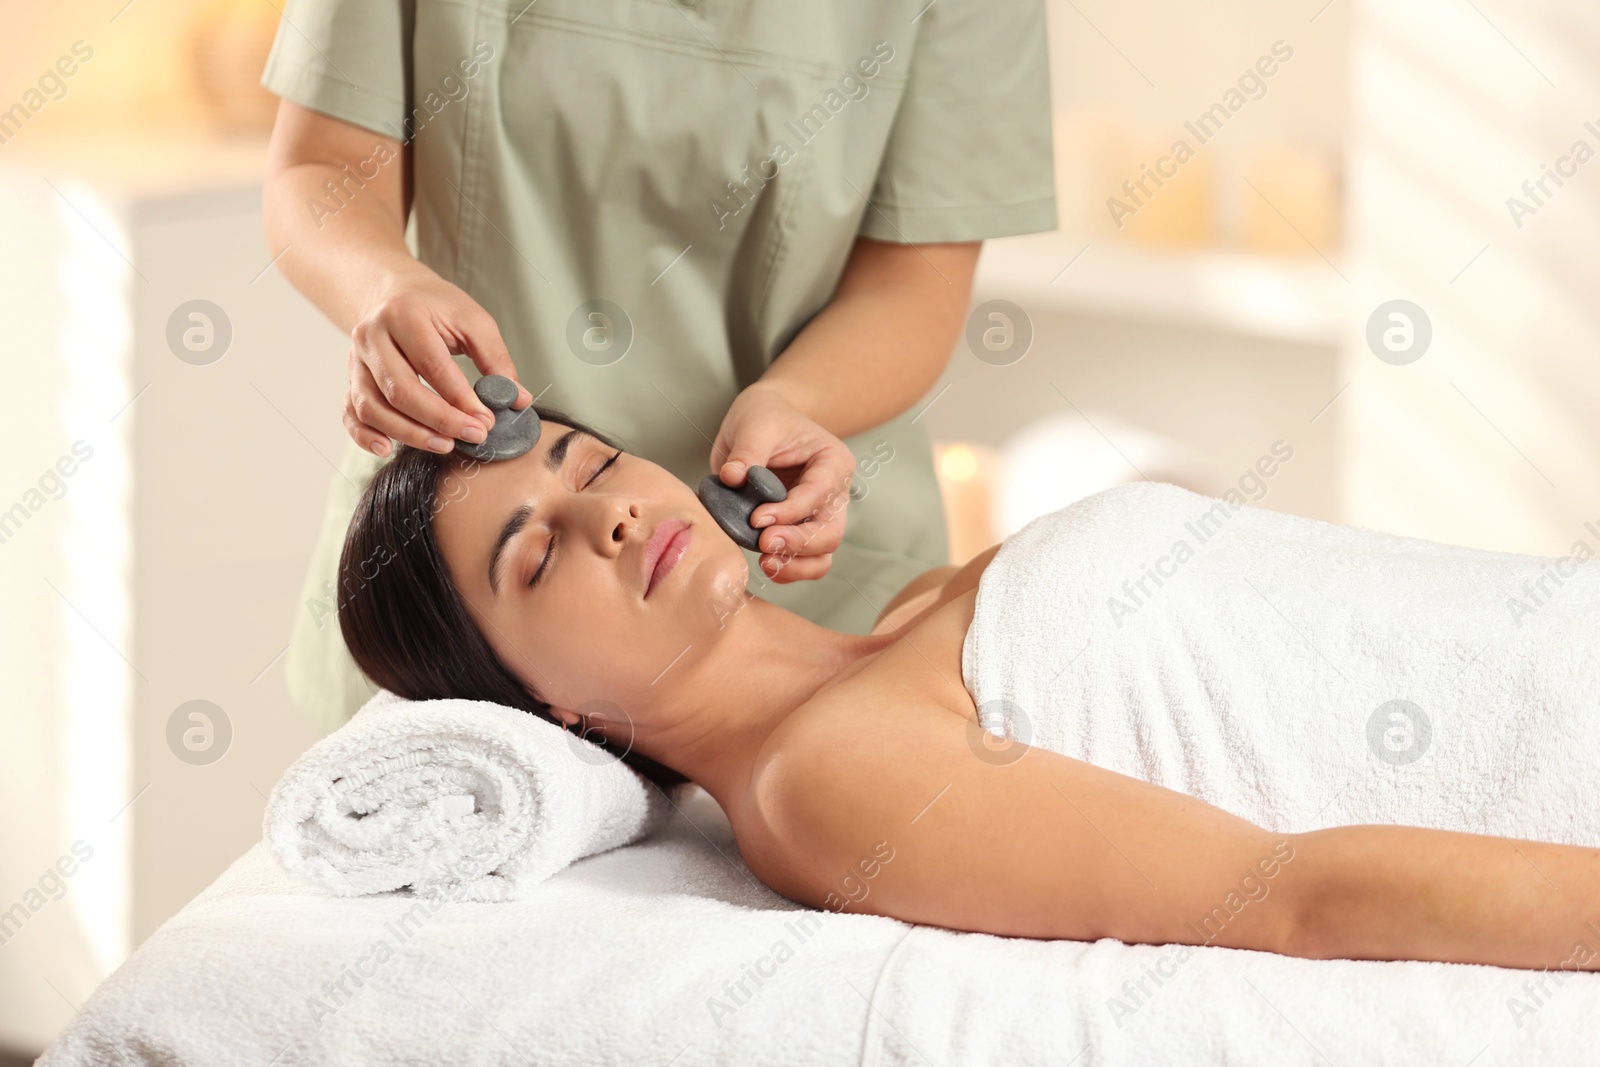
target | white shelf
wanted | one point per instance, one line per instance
(145, 166)
(1265, 296)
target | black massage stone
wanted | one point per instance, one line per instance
(514, 433)
(732, 507)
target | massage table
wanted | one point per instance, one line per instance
(669, 952)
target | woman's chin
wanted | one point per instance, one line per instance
(703, 591)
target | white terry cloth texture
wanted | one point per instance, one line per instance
(670, 951)
(1297, 673)
(463, 798)
(636, 956)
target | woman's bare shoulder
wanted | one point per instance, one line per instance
(911, 692)
(797, 814)
(933, 589)
(904, 812)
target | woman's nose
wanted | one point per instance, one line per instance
(619, 532)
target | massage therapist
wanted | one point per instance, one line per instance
(635, 208)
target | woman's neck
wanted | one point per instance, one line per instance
(720, 707)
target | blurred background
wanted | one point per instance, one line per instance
(1350, 259)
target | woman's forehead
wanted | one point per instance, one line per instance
(475, 496)
(463, 472)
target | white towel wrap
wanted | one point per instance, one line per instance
(1298, 673)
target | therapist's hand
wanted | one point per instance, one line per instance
(763, 429)
(407, 338)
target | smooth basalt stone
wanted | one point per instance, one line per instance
(732, 507)
(514, 433)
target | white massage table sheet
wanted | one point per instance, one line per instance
(617, 960)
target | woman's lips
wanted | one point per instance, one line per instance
(676, 535)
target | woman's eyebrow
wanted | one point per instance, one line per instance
(554, 460)
(519, 519)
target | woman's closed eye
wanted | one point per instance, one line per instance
(549, 552)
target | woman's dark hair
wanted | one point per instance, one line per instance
(401, 617)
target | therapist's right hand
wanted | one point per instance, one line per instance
(405, 340)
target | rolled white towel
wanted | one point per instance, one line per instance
(452, 797)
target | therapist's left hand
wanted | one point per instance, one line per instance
(801, 531)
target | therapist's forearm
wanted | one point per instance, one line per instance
(335, 203)
(341, 244)
(884, 338)
(346, 265)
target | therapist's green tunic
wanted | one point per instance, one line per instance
(702, 165)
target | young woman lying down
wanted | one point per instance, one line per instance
(590, 587)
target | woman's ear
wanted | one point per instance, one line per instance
(565, 716)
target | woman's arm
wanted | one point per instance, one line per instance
(1403, 892)
(879, 343)
(341, 253)
(924, 822)
(882, 339)
(335, 203)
